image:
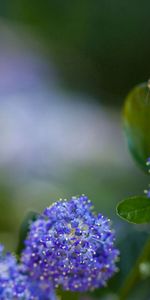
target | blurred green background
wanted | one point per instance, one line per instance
(65, 68)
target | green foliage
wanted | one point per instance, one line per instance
(31, 216)
(137, 123)
(65, 295)
(135, 209)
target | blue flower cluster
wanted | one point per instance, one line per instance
(16, 285)
(71, 247)
(12, 284)
(68, 246)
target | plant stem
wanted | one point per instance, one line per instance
(134, 276)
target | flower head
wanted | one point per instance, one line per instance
(16, 285)
(71, 246)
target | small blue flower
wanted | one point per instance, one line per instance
(16, 285)
(71, 246)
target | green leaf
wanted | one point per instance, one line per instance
(136, 119)
(135, 210)
(31, 216)
(65, 295)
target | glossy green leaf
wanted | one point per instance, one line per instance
(135, 210)
(136, 117)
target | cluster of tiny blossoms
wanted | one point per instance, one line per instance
(14, 284)
(71, 247)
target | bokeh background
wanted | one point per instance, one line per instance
(65, 68)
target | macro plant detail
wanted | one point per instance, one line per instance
(15, 284)
(136, 118)
(71, 246)
(12, 283)
(67, 246)
(136, 209)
